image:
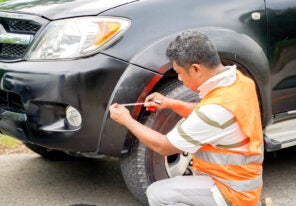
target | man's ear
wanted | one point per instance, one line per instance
(195, 69)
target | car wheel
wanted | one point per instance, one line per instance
(142, 166)
(49, 154)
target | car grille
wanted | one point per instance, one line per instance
(11, 100)
(18, 25)
(12, 51)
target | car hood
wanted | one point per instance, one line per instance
(56, 9)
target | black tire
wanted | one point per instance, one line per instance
(49, 154)
(142, 166)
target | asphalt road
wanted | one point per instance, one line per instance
(29, 180)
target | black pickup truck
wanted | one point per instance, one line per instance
(64, 62)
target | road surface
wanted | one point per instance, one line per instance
(29, 180)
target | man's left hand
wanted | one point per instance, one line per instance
(119, 113)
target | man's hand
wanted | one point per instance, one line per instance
(119, 113)
(164, 101)
(153, 139)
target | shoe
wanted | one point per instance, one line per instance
(266, 202)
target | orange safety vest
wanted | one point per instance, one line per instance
(238, 175)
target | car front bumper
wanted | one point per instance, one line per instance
(34, 96)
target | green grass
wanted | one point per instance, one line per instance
(8, 141)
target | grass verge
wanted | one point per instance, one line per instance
(7, 141)
(9, 145)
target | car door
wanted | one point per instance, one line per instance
(281, 21)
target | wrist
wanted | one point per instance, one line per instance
(129, 121)
(170, 103)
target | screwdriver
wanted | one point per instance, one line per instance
(151, 108)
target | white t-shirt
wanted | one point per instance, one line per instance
(211, 123)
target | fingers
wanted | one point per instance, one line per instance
(155, 100)
(112, 109)
(117, 108)
(154, 96)
(113, 106)
(150, 97)
(119, 113)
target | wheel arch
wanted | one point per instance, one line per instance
(233, 48)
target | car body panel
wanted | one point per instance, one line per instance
(62, 8)
(282, 53)
(230, 15)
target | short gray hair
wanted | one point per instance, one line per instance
(193, 47)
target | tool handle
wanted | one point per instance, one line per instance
(132, 104)
(151, 108)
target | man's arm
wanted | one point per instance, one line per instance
(181, 108)
(152, 139)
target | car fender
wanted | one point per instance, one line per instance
(133, 86)
(232, 46)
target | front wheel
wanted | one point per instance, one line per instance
(142, 166)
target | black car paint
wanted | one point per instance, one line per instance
(128, 70)
(281, 53)
(61, 9)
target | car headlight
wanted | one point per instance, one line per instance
(77, 37)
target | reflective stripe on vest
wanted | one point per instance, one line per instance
(225, 159)
(239, 186)
(243, 185)
(233, 159)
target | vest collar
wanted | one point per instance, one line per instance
(223, 79)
